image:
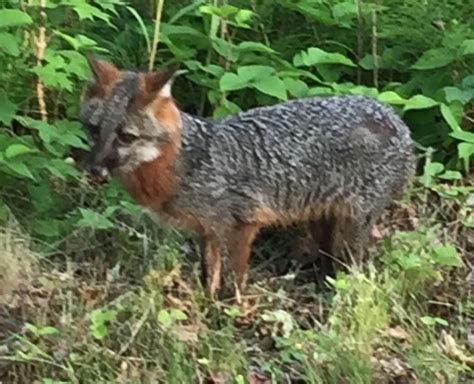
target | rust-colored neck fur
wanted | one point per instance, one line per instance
(154, 183)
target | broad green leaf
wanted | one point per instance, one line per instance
(296, 87)
(164, 318)
(20, 168)
(457, 94)
(429, 320)
(7, 108)
(420, 102)
(465, 150)
(463, 136)
(314, 56)
(85, 10)
(48, 330)
(255, 47)
(13, 18)
(178, 314)
(446, 255)
(467, 47)
(10, 44)
(433, 168)
(78, 41)
(249, 73)
(451, 175)
(468, 81)
(320, 91)
(226, 49)
(231, 82)
(363, 90)
(273, 86)
(48, 228)
(94, 219)
(367, 62)
(391, 97)
(243, 16)
(449, 117)
(434, 58)
(14, 150)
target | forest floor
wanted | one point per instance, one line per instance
(135, 312)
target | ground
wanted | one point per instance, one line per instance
(128, 307)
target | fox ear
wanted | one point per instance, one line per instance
(159, 83)
(105, 73)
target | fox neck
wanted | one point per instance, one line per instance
(154, 183)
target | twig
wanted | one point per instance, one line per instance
(40, 43)
(374, 47)
(156, 34)
(360, 40)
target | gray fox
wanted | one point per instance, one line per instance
(335, 162)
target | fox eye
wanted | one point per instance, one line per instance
(126, 137)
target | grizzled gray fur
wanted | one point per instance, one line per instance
(297, 154)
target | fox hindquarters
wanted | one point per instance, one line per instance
(335, 162)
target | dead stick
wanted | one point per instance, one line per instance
(40, 42)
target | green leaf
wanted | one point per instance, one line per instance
(226, 49)
(430, 321)
(391, 97)
(449, 117)
(273, 86)
(420, 102)
(296, 87)
(14, 150)
(142, 25)
(434, 58)
(48, 228)
(94, 219)
(10, 44)
(451, 175)
(463, 136)
(13, 18)
(242, 16)
(7, 108)
(314, 56)
(48, 330)
(249, 73)
(20, 168)
(231, 82)
(457, 94)
(255, 47)
(446, 255)
(433, 168)
(467, 47)
(164, 318)
(178, 314)
(465, 151)
(85, 10)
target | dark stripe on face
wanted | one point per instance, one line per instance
(106, 115)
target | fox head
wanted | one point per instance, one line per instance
(130, 118)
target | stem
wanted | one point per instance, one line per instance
(360, 39)
(156, 34)
(374, 48)
(40, 42)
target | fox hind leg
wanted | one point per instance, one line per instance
(211, 267)
(239, 246)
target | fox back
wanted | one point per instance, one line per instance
(334, 161)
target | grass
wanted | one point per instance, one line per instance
(139, 314)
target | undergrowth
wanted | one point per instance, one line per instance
(141, 316)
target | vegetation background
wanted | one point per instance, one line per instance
(92, 290)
